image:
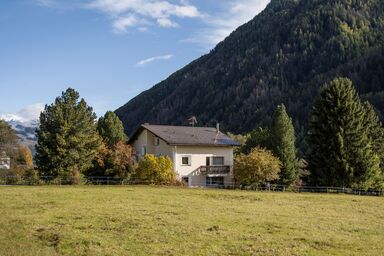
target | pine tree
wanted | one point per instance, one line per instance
(259, 137)
(67, 137)
(282, 143)
(111, 129)
(340, 149)
(376, 135)
(376, 130)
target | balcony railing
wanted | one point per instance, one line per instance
(215, 170)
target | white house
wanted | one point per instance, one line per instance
(5, 161)
(201, 156)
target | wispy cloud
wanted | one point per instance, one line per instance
(121, 25)
(45, 2)
(26, 115)
(219, 26)
(131, 13)
(145, 14)
(145, 62)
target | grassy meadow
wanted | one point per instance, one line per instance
(142, 220)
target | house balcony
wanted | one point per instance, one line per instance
(216, 171)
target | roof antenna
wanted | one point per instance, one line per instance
(193, 122)
(217, 131)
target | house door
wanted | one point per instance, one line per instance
(208, 161)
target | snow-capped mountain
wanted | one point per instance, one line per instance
(24, 130)
(25, 122)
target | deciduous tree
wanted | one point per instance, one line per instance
(7, 136)
(119, 161)
(258, 167)
(156, 170)
(25, 157)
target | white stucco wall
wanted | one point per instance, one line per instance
(198, 157)
(5, 163)
(147, 139)
(140, 142)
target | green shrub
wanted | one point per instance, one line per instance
(31, 177)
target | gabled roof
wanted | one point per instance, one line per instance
(187, 135)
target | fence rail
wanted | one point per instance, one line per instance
(101, 180)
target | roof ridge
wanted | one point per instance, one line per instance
(183, 126)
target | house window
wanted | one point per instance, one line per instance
(157, 141)
(208, 161)
(144, 151)
(186, 160)
(218, 160)
(215, 181)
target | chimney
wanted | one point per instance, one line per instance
(218, 127)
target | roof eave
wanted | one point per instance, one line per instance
(202, 145)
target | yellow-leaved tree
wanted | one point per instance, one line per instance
(156, 170)
(25, 157)
(258, 167)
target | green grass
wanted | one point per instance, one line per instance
(174, 221)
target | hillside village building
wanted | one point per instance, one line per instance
(5, 161)
(201, 156)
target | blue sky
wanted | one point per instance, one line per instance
(108, 50)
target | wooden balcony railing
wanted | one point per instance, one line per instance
(215, 170)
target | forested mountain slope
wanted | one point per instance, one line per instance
(284, 55)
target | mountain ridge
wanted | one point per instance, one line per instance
(284, 55)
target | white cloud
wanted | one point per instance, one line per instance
(46, 2)
(131, 13)
(166, 23)
(143, 63)
(144, 14)
(237, 12)
(121, 24)
(26, 115)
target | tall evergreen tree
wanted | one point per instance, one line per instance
(341, 152)
(376, 134)
(111, 129)
(282, 143)
(67, 137)
(259, 137)
(376, 130)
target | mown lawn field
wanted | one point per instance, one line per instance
(142, 220)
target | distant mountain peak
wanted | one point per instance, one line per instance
(28, 116)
